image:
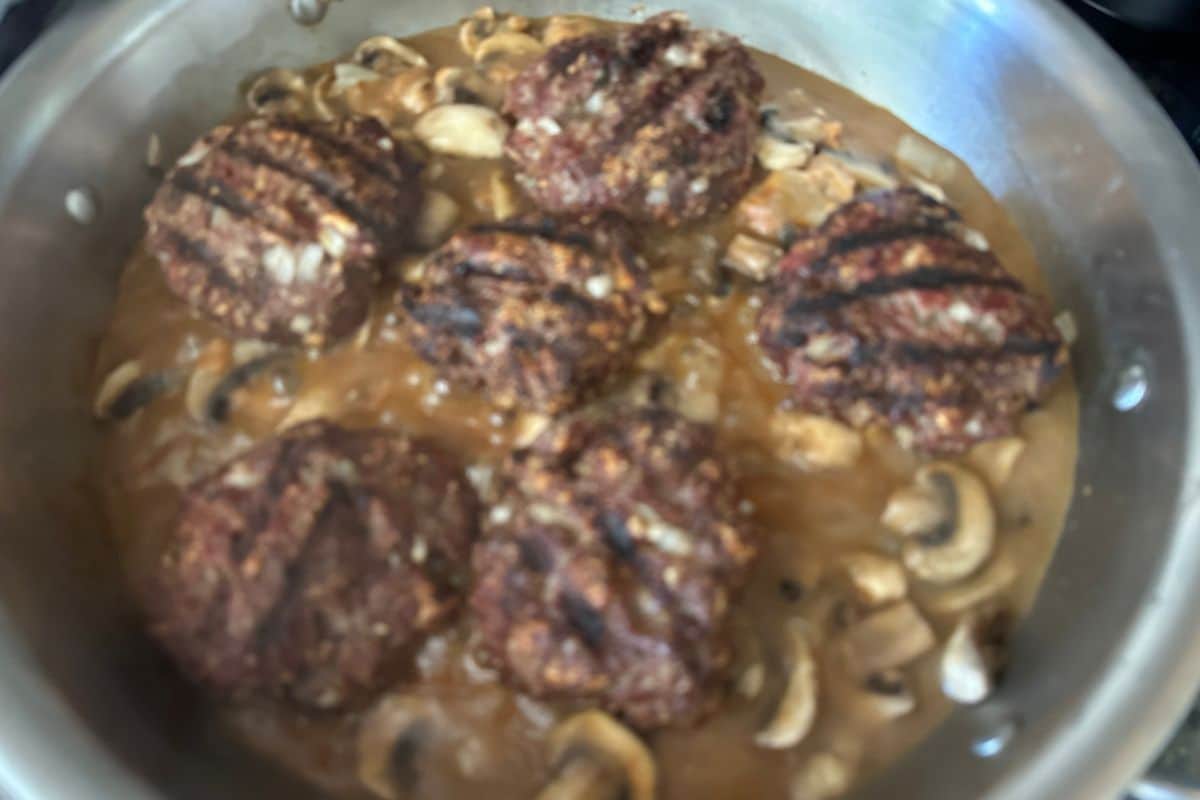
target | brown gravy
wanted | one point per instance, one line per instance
(494, 739)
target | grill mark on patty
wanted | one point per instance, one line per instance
(617, 534)
(585, 618)
(459, 320)
(851, 242)
(296, 573)
(1014, 346)
(347, 147)
(512, 273)
(544, 229)
(922, 278)
(197, 252)
(318, 182)
(215, 191)
(657, 103)
(910, 353)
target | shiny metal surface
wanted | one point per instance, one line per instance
(1153, 789)
(1049, 119)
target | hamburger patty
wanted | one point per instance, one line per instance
(657, 122)
(274, 227)
(885, 314)
(608, 565)
(306, 567)
(538, 313)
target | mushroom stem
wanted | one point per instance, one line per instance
(973, 657)
(797, 711)
(583, 779)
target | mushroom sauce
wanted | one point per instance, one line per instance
(839, 646)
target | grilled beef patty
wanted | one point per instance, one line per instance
(307, 566)
(274, 227)
(608, 564)
(887, 314)
(657, 122)
(537, 312)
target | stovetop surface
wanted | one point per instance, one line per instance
(1168, 63)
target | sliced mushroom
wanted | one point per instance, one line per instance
(754, 258)
(210, 393)
(815, 443)
(438, 215)
(793, 119)
(929, 189)
(797, 710)
(504, 199)
(866, 172)
(502, 55)
(949, 521)
(913, 510)
(278, 91)
(996, 578)
(126, 390)
(390, 741)
(791, 135)
(347, 76)
(925, 160)
(463, 130)
(320, 400)
(476, 28)
(200, 386)
(887, 639)
(996, 459)
(974, 656)
(386, 55)
(508, 46)
(876, 579)
(774, 153)
(466, 86)
(567, 26)
(888, 694)
(322, 90)
(594, 757)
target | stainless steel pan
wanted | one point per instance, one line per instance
(1049, 119)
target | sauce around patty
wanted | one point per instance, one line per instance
(215, 396)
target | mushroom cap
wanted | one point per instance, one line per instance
(370, 53)
(388, 739)
(888, 694)
(597, 736)
(949, 520)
